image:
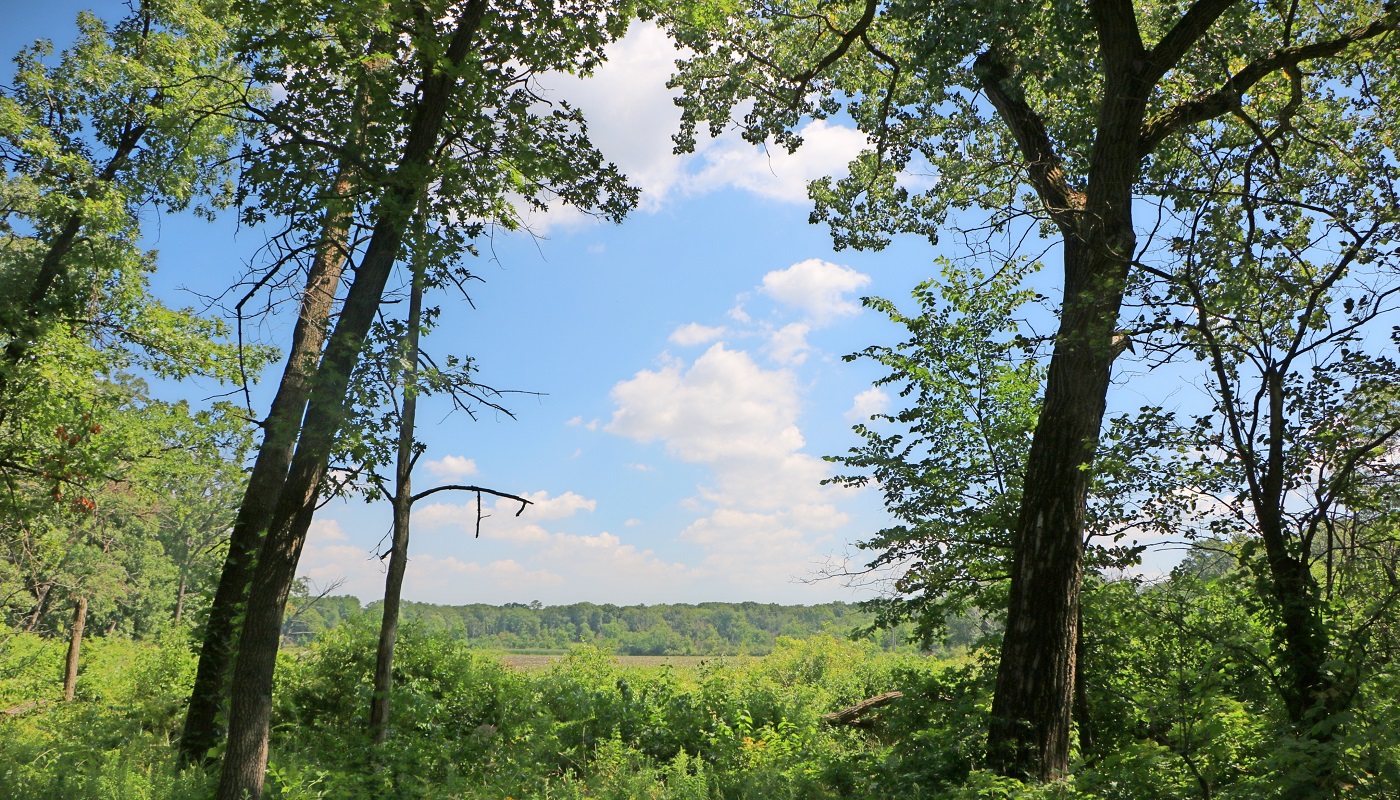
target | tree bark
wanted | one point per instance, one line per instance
(403, 506)
(75, 646)
(1029, 732)
(209, 693)
(245, 761)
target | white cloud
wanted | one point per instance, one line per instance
(451, 467)
(327, 530)
(632, 116)
(694, 333)
(499, 518)
(515, 559)
(764, 518)
(869, 402)
(630, 111)
(817, 288)
(773, 172)
(723, 406)
(788, 344)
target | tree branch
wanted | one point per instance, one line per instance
(1227, 97)
(479, 492)
(1043, 164)
(857, 31)
(1184, 34)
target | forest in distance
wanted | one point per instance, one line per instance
(702, 629)
(1127, 437)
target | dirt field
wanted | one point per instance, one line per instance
(533, 662)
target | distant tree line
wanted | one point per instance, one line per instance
(667, 629)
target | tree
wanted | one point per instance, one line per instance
(466, 140)
(131, 115)
(1287, 269)
(950, 470)
(1085, 110)
(403, 379)
(137, 538)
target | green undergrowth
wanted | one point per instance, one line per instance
(591, 726)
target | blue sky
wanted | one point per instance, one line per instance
(688, 365)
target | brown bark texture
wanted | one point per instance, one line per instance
(1029, 730)
(245, 760)
(209, 693)
(75, 647)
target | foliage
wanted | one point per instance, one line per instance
(706, 629)
(1180, 696)
(951, 469)
(142, 537)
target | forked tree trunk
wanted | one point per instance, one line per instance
(245, 761)
(75, 646)
(209, 694)
(1029, 732)
(403, 506)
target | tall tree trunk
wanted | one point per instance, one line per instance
(1029, 732)
(245, 760)
(209, 693)
(75, 646)
(403, 506)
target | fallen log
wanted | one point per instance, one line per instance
(855, 715)
(23, 708)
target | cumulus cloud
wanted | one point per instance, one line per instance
(503, 521)
(723, 406)
(514, 559)
(631, 117)
(817, 288)
(694, 334)
(788, 344)
(327, 530)
(452, 467)
(763, 518)
(773, 172)
(868, 403)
